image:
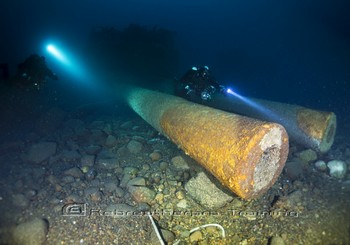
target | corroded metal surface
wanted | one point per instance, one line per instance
(246, 155)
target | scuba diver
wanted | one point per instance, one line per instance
(33, 72)
(198, 83)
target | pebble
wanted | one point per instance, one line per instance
(110, 187)
(179, 163)
(74, 172)
(182, 204)
(93, 149)
(73, 198)
(196, 236)
(180, 195)
(155, 156)
(96, 196)
(67, 179)
(167, 235)
(111, 141)
(91, 174)
(203, 190)
(142, 194)
(146, 167)
(97, 136)
(138, 181)
(107, 163)
(119, 192)
(130, 170)
(32, 232)
(321, 165)
(277, 240)
(337, 168)
(70, 156)
(293, 169)
(53, 180)
(163, 166)
(307, 155)
(134, 147)
(87, 160)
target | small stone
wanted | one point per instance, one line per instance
(180, 195)
(277, 240)
(92, 149)
(203, 190)
(52, 179)
(307, 155)
(96, 196)
(41, 152)
(110, 187)
(74, 172)
(111, 141)
(179, 163)
(293, 169)
(146, 167)
(70, 156)
(321, 165)
(107, 163)
(163, 165)
(119, 192)
(91, 174)
(182, 204)
(167, 235)
(32, 232)
(85, 169)
(155, 156)
(87, 160)
(142, 194)
(58, 188)
(196, 236)
(337, 168)
(134, 147)
(130, 170)
(159, 198)
(138, 181)
(68, 179)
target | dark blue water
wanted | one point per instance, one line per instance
(291, 51)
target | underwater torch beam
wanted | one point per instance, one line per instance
(310, 128)
(244, 154)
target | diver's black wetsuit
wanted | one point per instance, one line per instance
(198, 83)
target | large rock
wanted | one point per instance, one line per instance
(206, 193)
(31, 232)
(41, 152)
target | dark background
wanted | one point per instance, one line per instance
(289, 51)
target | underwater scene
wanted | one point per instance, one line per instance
(175, 122)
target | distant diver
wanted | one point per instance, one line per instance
(198, 84)
(33, 72)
